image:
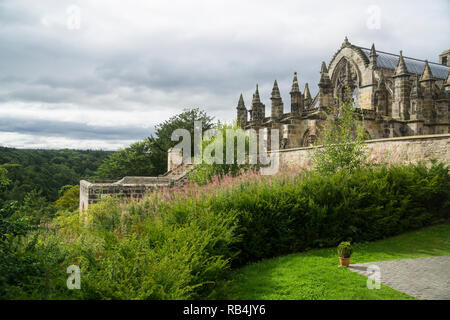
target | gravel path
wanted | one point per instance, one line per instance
(423, 278)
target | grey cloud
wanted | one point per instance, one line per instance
(74, 130)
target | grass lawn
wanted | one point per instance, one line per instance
(316, 274)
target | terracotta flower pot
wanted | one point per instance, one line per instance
(344, 261)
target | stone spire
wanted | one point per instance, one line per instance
(373, 56)
(307, 95)
(324, 78)
(241, 112)
(295, 87)
(296, 97)
(401, 69)
(241, 104)
(427, 75)
(257, 109)
(402, 85)
(256, 98)
(275, 91)
(277, 102)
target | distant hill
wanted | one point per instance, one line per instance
(47, 170)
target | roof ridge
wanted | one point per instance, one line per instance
(405, 57)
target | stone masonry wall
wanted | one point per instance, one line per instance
(128, 187)
(400, 150)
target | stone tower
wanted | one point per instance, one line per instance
(296, 98)
(400, 100)
(276, 102)
(241, 113)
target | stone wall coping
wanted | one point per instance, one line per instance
(410, 138)
(114, 183)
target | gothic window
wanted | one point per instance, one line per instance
(340, 86)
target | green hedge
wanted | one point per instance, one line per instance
(317, 211)
(180, 247)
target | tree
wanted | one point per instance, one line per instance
(161, 142)
(69, 199)
(4, 181)
(36, 208)
(149, 157)
(134, 160)
(342, 140)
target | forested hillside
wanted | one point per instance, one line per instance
(46, 170)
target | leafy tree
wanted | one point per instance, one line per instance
(46, 170)
(135, 160)
(161, 142)
(4, 181)
(342, 140)
(70, 198)
(149, 157)
(36, 208)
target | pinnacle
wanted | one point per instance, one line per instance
(306, 92)
(323, 69)
(401, 68)
(275, 91)
(256, 96)
(295, 87)
(324, 78)
(373, 52)
(346, 43)
(241, 104)
(426, 74)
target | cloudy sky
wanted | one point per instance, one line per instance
(101, 74)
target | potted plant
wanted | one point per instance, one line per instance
(345, 250)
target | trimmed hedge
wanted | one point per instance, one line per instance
(318, 211)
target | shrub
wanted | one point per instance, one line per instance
(345, 249)
(342, 139)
